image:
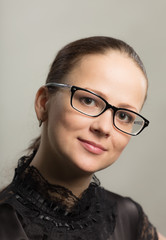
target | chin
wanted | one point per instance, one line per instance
(91, 166)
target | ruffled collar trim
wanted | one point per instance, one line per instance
(56, 203)
(29, 178)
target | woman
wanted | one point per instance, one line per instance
(88, 110)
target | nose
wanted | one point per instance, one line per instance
(103, 124)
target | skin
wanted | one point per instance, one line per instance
(161, 237)
(62, 158)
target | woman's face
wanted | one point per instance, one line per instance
(88, 143)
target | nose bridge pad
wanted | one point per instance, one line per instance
(111, 109)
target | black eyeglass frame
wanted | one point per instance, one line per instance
(108, 106)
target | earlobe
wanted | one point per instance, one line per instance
(41, 103)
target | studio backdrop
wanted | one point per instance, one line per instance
(31, 34)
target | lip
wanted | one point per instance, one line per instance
(92, 146)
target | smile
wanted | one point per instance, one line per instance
(92, 147)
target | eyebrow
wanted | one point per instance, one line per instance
(97, 92)
(127, 106)
(121, 105)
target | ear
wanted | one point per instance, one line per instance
(41, 103)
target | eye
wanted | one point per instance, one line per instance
(125, 117)
(88, 101)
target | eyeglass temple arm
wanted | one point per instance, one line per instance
(58, 85)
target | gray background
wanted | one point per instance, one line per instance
(32, 31)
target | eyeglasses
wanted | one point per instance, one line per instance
(93, 105)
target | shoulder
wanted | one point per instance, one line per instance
(131, 217)
(6, 212)
(10, 226)
(6, 193)
(127, 210)
(7, 215)
(125, 203)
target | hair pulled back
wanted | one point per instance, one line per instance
(70, 55)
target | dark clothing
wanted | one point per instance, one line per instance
(31, 208)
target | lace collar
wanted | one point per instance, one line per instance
(35, 187)
(57, 204)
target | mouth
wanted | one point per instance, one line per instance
(92, 146)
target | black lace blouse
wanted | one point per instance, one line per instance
(31, 208)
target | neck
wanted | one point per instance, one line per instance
(56, 172)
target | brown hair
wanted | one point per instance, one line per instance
(72, 53)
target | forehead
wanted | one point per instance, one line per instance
(116, 76)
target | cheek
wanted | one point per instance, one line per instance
(66, 120)
(119, 142)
